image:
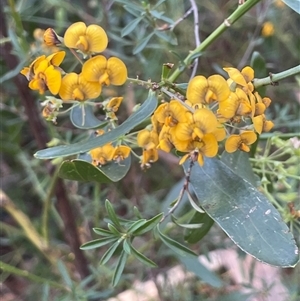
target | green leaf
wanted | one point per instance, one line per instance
(81, 170)
(82, 116)
(145, 110)
(112, 214)
(195, 235)
(78, 170)
(114, 230)
(160, 15)
(186, 226)
(130, 26)
(142, 258)
(142, 43)
(126, 246)
(102, 232)
(64, 273)
(167, 36)
(293, 4)
(194, 265)
(243, 213)
(97, 243)
(239, 163)
(148, 225)
(119, 268)
(109, 253)
(174, 245)
(136, 225)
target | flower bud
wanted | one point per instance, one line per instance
(51, 38)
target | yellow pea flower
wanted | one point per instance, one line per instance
(267, 29)
(113, 104)
(171, 113)
(102, 155)
(205, 91)
(241, 141)
(261, 124)
(206, 147)
(203, 121)
(75, 87)
(99, 69)
(242, 78)
(147, 139)
(88, 39)
(149, 156)
(51, 38)
(120, 153)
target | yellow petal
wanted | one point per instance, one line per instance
(53, 79)
(268, 125)
(205, 120)
(248, 73)
(56, 58)
(248, 137)
(117, 71)
(210, 148)
(94, 68)
(232, 143)
(258, 122)
(73, 33)
(91, 90)
(236, 76)
(68, 84)
(97, 38)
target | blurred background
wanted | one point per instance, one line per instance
(45, 219)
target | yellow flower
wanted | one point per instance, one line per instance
(203, 121)
(88, 39)
(205, 91)
(75, 87)
(102, 155)
(99, 69)
(207, 147)
(267, 29)
(51, 38)
(171, 113)
(113, 104)
(242, 78)
(261, 124)
(149, 156)
(241, 141)
(237, 104)
(120, 153)
(44, 74)
(147, 139)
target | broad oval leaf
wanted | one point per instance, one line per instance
(293, 4)
(240, 164)
(145, 110)
(80, 170)
(243, 213)
(82, 116)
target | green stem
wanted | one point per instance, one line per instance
(13, 270)
(274, 78)
(237, 14)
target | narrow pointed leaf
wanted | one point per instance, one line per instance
(102, 232)
(142, 258)
(136, 225)
(145, 110)
(83, 117)
(148, 225)
(119, 268)
(130, 26)
(243, 213)
(114, 230)
(97, 243)
(174, 245)
(126, 246)
(109, 253)
(112, 214)
(142, 43)
(187, 226)
(194, 235)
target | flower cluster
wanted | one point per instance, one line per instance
(44, 73)
(197, 125)
(214, 108)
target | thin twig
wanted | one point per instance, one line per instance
(196, 33)
(171, 27)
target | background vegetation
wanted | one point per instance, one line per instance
(46, 219)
